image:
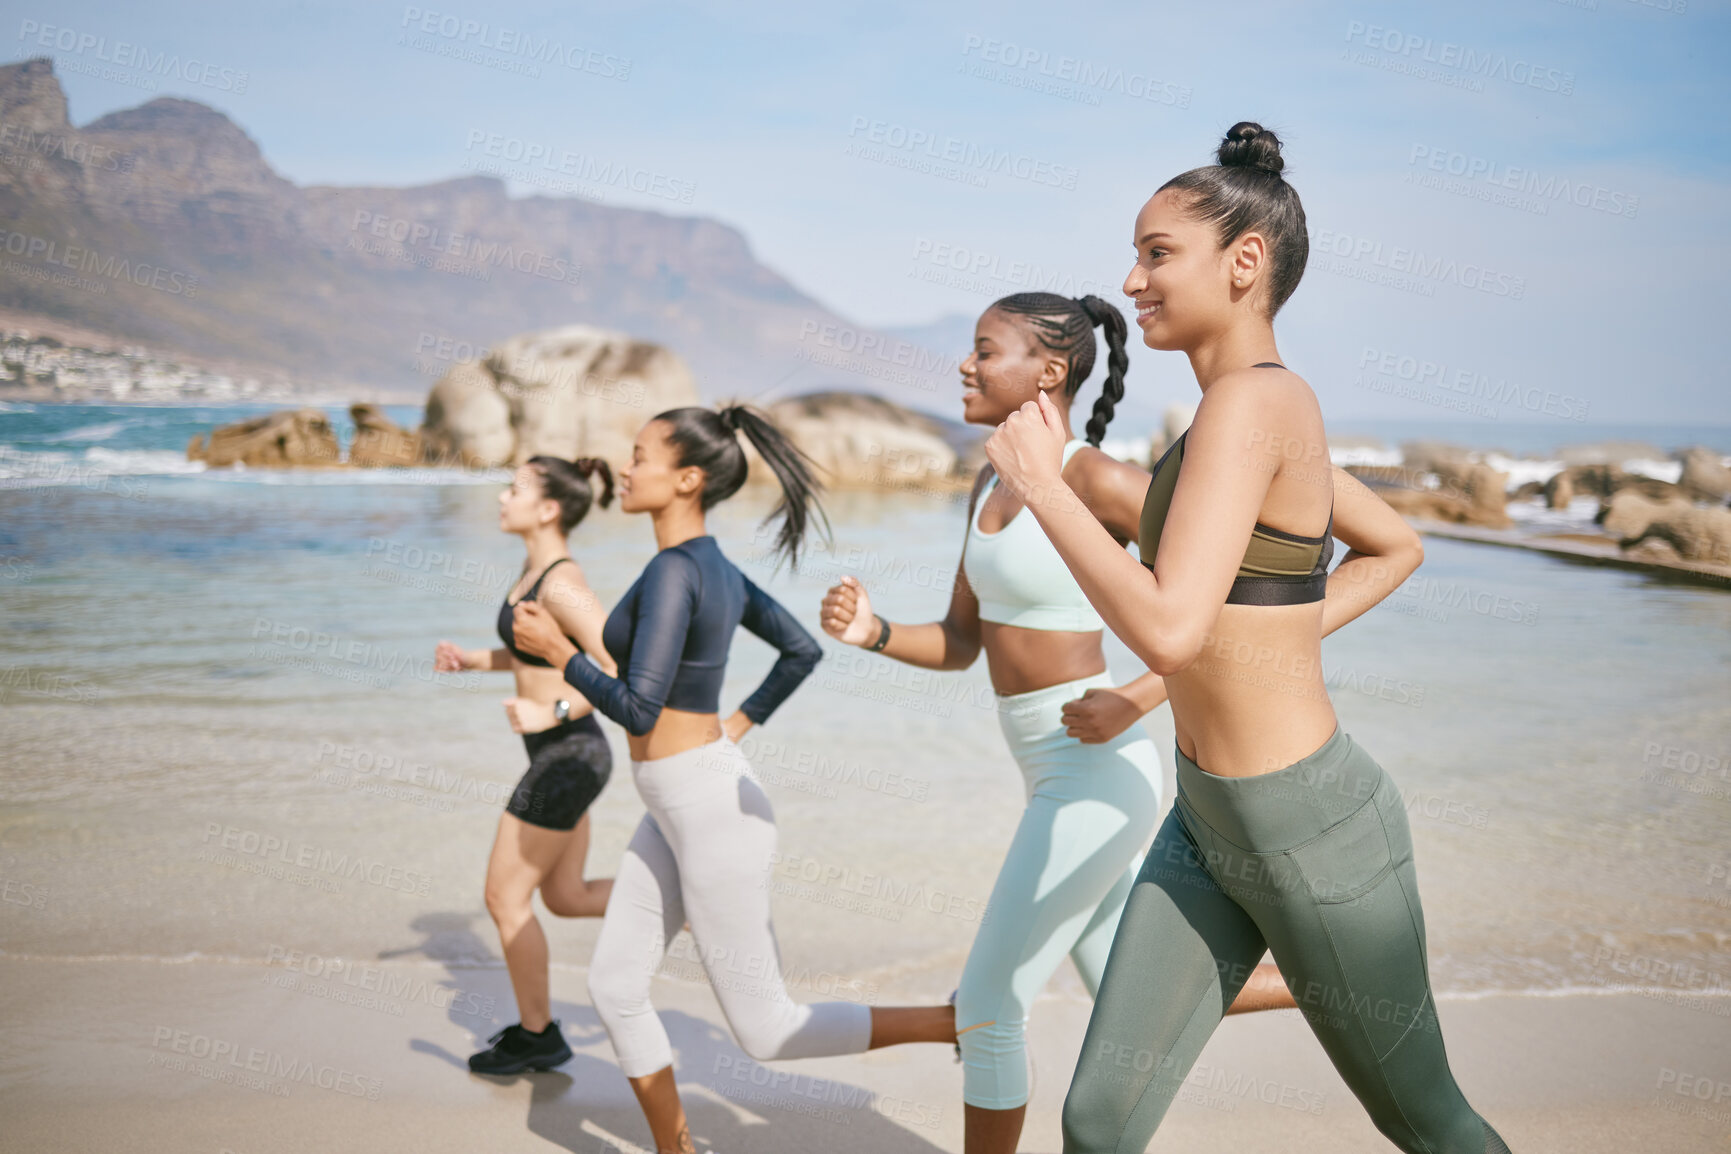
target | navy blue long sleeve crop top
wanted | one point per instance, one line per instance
(670, 635)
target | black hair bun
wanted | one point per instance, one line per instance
(1249, 145)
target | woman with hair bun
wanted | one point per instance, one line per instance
(543, 835)
(1091, 775)
(703, 851)
(1292, 839)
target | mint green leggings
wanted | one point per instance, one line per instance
(1091, 809)
(1313, 862)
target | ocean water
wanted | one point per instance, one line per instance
(220, 734)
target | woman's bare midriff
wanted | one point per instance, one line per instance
(675, 732)
(548, 686)
(1254, 700)
(1023, 660)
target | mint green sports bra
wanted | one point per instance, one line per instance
(1018, 575)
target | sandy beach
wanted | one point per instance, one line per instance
(260, 1059)
(241, 871)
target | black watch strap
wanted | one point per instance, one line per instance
(883, 638)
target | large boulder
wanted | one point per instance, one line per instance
(860, 441)
(1627, 515)
(1696, 532)
(568, 392)
(1705, 477)
(1467, 494)
(468, 421)
(379, 441)
(289, 438)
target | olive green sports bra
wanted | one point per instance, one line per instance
(1279, 568)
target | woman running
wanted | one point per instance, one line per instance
(1292, 839)
(1091, 775)
(703, 852)
(543, 835)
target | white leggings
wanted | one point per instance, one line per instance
(1091, 812)
(703, 853)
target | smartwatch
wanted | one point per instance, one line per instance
(561, 711)
(883, 638)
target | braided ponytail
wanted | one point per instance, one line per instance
(1111, 322)
(1066, 326)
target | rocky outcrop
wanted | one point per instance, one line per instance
(568, 392)
(1695, 532)
(1603, 481)
(290, 438)
(1468, 493)
(380, 442)
(1705, 477)
(864, 442)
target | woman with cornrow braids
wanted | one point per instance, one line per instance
(1091, 775)
(543, 836)
(703, 851)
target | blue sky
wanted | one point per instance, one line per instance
(1428, 291)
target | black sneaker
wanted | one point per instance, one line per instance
(515, 1049)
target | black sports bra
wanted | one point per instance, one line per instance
(1279, 568)
(507, 633)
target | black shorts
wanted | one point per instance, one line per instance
(568, 767)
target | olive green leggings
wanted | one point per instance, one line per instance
(1313, 862)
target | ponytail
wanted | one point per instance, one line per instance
(709, 439)
(1065, 325)
(567, 482)
(1111, 323)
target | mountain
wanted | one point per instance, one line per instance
(164, 225)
